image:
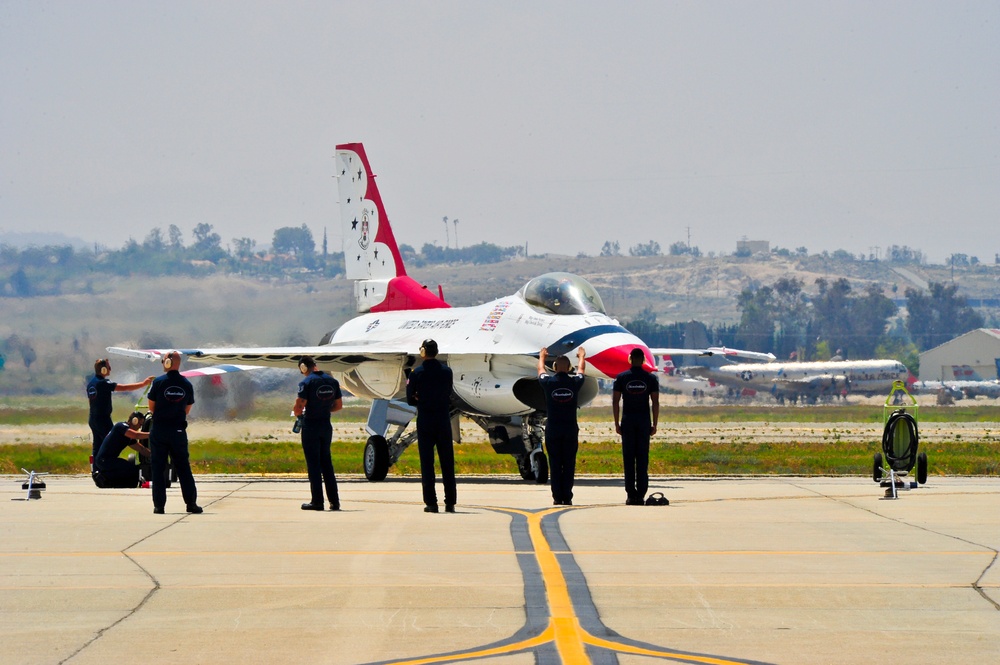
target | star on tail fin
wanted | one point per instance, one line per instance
(371, 256)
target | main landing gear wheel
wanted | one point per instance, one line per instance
(922, 468)
(877, 468)
(524, 467)
(376, 460)
(542, 474)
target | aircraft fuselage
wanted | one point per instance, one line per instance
(491, 348)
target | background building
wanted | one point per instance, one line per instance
(979, 349)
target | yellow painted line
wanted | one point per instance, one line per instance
(643, 651)
(569, 636)
(542, 638)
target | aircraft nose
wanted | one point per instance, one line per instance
(614, 360)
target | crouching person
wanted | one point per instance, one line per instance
(109, 469)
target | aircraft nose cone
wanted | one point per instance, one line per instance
(614, 360)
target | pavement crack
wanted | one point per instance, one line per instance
(976, 585)
(152, 578)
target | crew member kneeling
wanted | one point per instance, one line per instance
(109, 469)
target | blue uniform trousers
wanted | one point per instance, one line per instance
(635, 458)
(171, 440)
(561, 447)
(316, 437)
(435, 433)
(99, 428)
(117, 472)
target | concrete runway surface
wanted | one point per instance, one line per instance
(771, 570)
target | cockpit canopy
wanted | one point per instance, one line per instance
(562, 293)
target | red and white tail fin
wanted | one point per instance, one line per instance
(965, 373)
(371, 256)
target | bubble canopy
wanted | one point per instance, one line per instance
(562, 293)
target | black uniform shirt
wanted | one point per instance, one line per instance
(321, 392)
(114, 443)
(562, 397)
(172, 393)
(99, 391)
(429, 387)
(635, 386)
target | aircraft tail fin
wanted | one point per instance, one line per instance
(965, 373)
(371, 255)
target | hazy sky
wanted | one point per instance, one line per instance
(828, 125)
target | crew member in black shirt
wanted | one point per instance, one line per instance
(429, 389)
(636, 390)
(319, 396)
(562, 434)
(170, 399)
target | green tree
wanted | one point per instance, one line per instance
(207, 244)
(896, 348)
(938, 316)
(651, 248)
(869, 315)
(20, 284)
(244, 247)
(757, 319)
(176, 238)
(154, 241)
(832, 312)
(791, 312)
(297, 241)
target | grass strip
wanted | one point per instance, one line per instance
(837, 458)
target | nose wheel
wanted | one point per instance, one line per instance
(376, 460)
(534, 466)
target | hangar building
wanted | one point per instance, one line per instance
(979, 349)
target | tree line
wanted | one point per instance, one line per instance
(836, 322)
(56, 270)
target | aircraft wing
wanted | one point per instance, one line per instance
(739, 353)
(715, 351)
(335, 357)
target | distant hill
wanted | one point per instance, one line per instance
(22, 240)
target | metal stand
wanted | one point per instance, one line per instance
(33, 488)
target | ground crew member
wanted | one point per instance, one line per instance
(319, 396)
(429, 389)
(170, 399)
(99, 390)
(109, 469)
(562, 434)
(636, 390)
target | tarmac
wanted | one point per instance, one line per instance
(734, 570)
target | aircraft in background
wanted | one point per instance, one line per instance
(807, 380)
(967, 384)
(491, 348)
(672, 377)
